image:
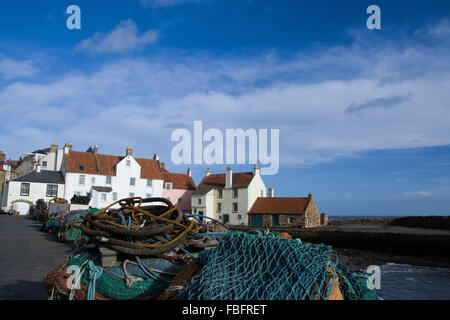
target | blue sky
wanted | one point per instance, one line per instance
(363, 114)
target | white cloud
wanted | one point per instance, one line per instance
(422, 193)
(123, 38)
(166, 3)
(138, 101)
(12, 68)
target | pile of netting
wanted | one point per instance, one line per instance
(82, 277)
(52, 222)
(70, 223)
(251, 267)
(139, 230)
(133, 252)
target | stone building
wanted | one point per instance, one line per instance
(284, 212)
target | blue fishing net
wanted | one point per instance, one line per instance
(252, 267)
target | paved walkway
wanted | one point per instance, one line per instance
(26, 255)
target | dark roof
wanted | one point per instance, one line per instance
(102, 189)
(240, 180)
(45, 176)
(201, 191)
(279, 206)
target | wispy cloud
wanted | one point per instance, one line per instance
(422, 193)
(383, 102)
(12, 68)
(139, 101)
(123, 38)
(166, 3)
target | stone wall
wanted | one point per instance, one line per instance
(312, 214)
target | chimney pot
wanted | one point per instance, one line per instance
(129, 151)
(208, 172)
(271, 193)
(228, 178)
(189, 172)
(155, 156)
(95, 149)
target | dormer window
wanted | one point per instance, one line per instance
(81, 167)
(128, 163)
(219, 194)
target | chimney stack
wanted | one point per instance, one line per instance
(129, 151)
(38, 168)
(207, 173)
(271, 193)
(189, 172)
(95, 149)
(156, 157)
(67, 147)
(54, 147)
(228, 178)
(255, 170)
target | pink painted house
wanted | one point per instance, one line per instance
(178, 188)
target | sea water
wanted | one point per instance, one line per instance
(406, 282)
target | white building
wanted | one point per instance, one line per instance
(28, 188)
(48, 159)
(228, 197)
(107, 178)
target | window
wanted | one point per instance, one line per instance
(81, 179)
(128, 163)
(195, 210)
(180, 201)
(219, 194)
(81, 167)
(103, 197)
(93, 181)
(108, 179)
(235, 207)
(262, 193)
(219, 208)
(149, 182)
(169, 186)
(239, 217)
(291, 220)
(199, 201)
(148, 195)
(44, 163)
(132, 181)
(114, 196)
(235, 193)
(131, 194)
(24, 189)
(52, 190)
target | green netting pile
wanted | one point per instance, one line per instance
(130, 280)
(251, 267)
(69, 232)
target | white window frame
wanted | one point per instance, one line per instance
(133, 182)
(128, 163)
(237, 208)
(149, 183)
(108, 180)
(81, 179)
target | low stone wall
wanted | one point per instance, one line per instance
(431, 222)
(420, 245)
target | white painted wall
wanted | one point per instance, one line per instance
(37, 191)
(120, 184)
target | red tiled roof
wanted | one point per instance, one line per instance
(105, 164)
(240, 180)
(180, 181)
(279, 206)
